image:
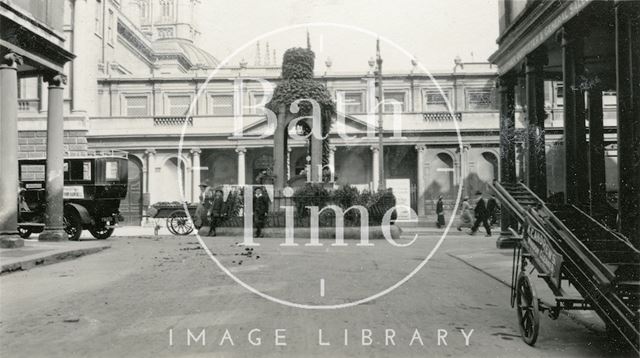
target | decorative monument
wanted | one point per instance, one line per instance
(298, 87)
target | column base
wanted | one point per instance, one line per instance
(53, 235)
(11, 241)
(506, 241)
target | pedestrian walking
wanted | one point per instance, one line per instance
(216, 212)
(482, 215)
(440, 212)
(466, 219)
(260, 211)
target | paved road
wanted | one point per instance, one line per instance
(140, 297)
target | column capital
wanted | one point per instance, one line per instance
(55, 79)
(150, 152)
(195, 151)
(375, 149)
(12, 60)
(333, 147)
(241, 150)
(421, 148)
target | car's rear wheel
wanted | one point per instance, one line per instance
(101, 233)
(72, 225)
(24, 232)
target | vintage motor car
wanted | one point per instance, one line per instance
(93, 188)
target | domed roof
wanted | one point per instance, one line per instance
(186, 48)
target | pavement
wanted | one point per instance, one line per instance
(151, 296)
(478, 253)
(36, 253)
(498, 263)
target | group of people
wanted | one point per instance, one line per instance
(212, 209)
(484, 213)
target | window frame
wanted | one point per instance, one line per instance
(473, 90)
(126, 104)
(213, 106)
(169, 107)
(404, 100)
(447, 98)
(341, 98)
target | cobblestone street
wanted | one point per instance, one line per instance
(141, 296)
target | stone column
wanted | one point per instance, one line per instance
(151, 176)
(574, 116)
(288, 163)
(507, 130)
(597, 180)
(316, 159)
(53, 223)
(241, 165)
(195, 176)
(9, 151)
(536, 176)
(627, 78)
(421, 148)
(506, 88)
(332, 161)
(375, 166)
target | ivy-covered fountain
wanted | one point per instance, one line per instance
(299, 85)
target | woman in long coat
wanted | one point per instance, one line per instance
(466, 218)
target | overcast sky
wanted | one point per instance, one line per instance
(434, 31)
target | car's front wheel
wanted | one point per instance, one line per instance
(72, 225)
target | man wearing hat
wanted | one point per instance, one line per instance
(482, 215)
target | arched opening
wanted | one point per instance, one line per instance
(131, 205)
(222, 169)
(442, 176)
(488, 167)
(172, 171)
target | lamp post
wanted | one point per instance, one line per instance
(381, 181)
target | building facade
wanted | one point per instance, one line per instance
(143, 86)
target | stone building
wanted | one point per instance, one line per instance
(143, 85)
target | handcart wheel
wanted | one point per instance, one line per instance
(527, 308)
(178, 223)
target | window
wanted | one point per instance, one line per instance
(393, 100)
(110, 27)
(137, 106)
(479, 99)
(77, 170)
(28, 87)
(256, 105)
(98, 19)
(32, 172)
(351, 102)
(144, 11)
(559, 94)
(179, 105)
(609, 99)
(111, 170)
(166, 9)
(435, 101)
(222, 105)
